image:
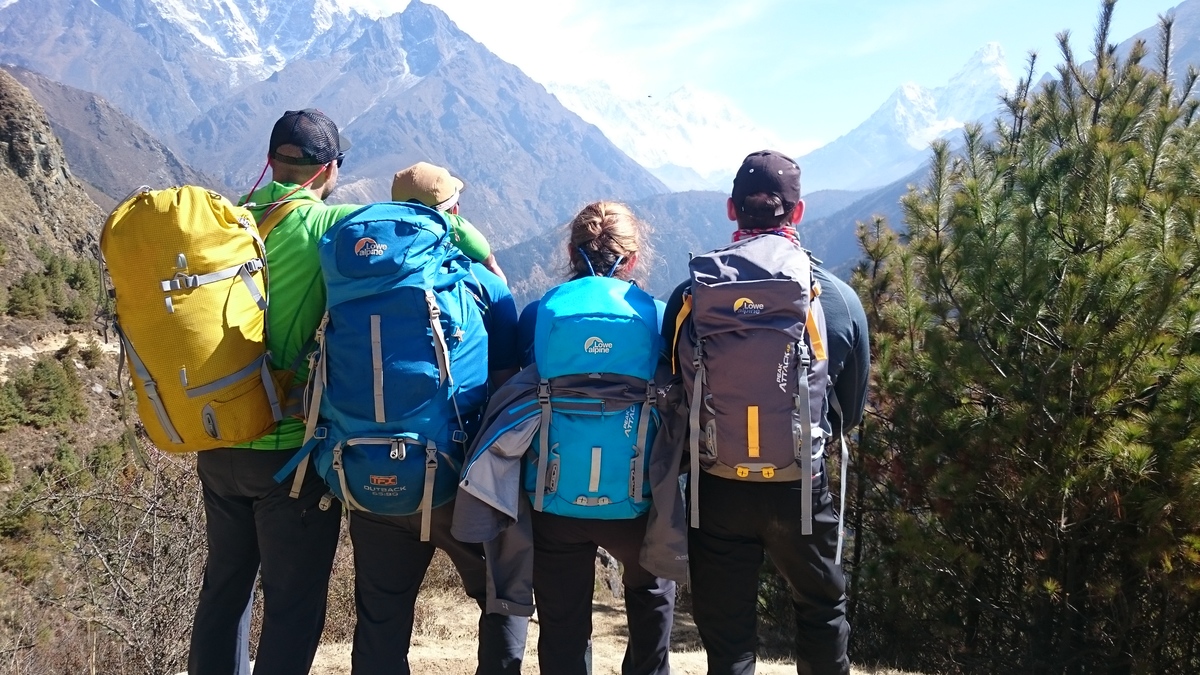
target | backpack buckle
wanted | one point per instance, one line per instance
(435, 312)
(459, 436)
(543, 393)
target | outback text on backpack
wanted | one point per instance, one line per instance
(189, 274)
(400, 372)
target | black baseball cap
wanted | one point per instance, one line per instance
(313, 132)
(771, 172)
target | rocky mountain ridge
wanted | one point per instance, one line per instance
(406, 87)
(107, 150)
(41, 202)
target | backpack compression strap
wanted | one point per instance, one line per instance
(694, 431)
(837, 408)
(148, 386)
(339, 469)
(640, 450)
(543, 394)
(316, 374)
(803, 444)
(431, 464)
(440, 348)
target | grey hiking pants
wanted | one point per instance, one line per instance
(738, 522)
(390, 561)
(564, 577)
(255, 529)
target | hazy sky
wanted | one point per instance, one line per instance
(808, 70)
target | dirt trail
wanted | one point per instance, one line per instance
(49, 345)
(448, 648)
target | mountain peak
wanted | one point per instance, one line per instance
(894, 139)
(689, 138)
(987, 67)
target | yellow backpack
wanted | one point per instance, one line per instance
(189, 272)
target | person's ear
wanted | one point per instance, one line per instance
(730, 210)
(453, 209)
(798, 212)
(631, 263)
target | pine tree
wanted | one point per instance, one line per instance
(1031, 481)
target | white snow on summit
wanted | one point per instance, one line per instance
(690, 139)
(895, 139)
(255, 37)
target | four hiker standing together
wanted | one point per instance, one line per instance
(390, 373)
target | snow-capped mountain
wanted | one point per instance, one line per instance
(894, 140)
(210, 77)
(690, 139)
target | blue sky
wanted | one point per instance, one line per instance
(808, 70)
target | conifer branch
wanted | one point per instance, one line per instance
(1165, 25)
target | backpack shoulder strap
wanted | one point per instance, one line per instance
(685, 310)
(277, 214)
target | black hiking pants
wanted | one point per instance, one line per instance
(390, 562)
(564, 577)
(255, 529)
(738, 522)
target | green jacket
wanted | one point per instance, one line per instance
(297, 291)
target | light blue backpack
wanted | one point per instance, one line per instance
(596, 347)
(400, 374)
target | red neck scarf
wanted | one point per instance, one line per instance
(786, 231)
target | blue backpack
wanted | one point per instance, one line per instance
(400, 373)
(596, 347)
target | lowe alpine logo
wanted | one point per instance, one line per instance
(595, 345)
(383, 480)
(368, 247)
(746, 306)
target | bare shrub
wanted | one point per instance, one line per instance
(125, 557)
